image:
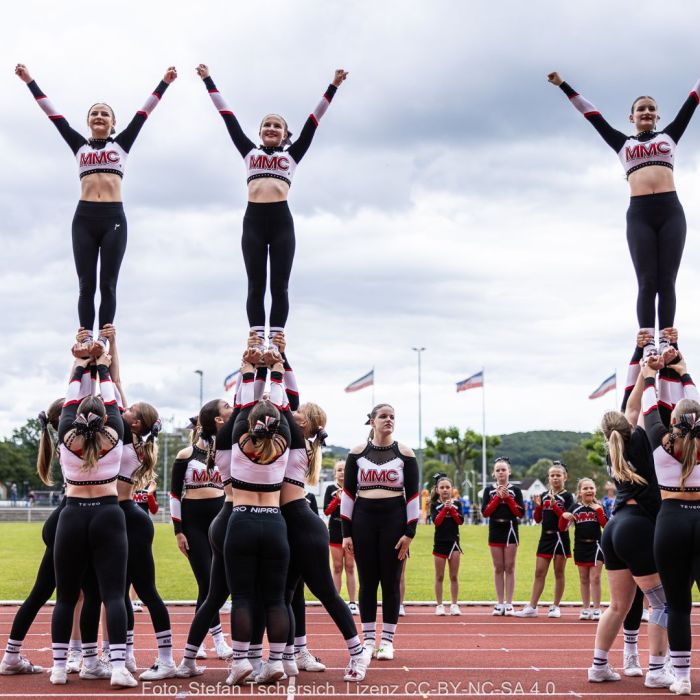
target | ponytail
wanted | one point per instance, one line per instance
(316, 419)
(146, 446)
(686, 425)
(616, 430)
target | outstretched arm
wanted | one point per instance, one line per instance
(298, 149)
(240, 140)
(614, 138)
(70, 135)
(678, 126)
(78, 389)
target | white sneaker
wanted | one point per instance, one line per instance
(22, 666)
(402, 610)
(681, 686)
(58, 676)
(385, 651)
(554, 611)
(185, 671)
(659, 678)
(271, 672)
(158, 671)
(122, 678)
(225, 609)
(440, 609)
(355, 670)
(499, 609)
(130, 664)
(95, 673)
(454, 609)
(527, 611)
(136, 606)
(595, 615)
(75, 656)
(240, 670)
(290, 667)
(645, 615)
(509, 610)
(306, 661)
(354, 608)
(585, 614)
(370, 648)
(223, 650)
(599, 674)
(632, 666)
(201, 652)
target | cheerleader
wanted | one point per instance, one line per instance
(553, 544)
(589, 517)
(447, 517)
(503, 505)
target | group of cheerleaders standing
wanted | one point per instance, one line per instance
(238, 491)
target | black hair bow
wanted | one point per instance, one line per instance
(88, 426)
(266, 427)
(43, 420)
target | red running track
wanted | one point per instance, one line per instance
(475, 655)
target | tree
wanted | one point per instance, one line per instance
(18, 455)
(451, 449)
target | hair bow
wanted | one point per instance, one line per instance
(155, 430)
(266, 427)
(193, 422)
(438, 476)
(43, 420)
(88, 426)
(689, 424)
(369, 419)
(322, 436)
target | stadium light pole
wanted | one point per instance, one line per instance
(201, 386)
(420, 421)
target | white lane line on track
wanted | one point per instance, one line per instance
(291, 688)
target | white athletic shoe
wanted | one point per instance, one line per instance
(290, 667)
(271, 672)
(370, 648)
(354, 608)
(681, 686)
(499, 609)
(130, 664)
(632, 666)
(158, 671)
(599, 674)
(554, 611)
(527, 611)
(660, 678)
(201, 652)
(122, 678)
(240, 670)
(402, 610)
(440, 610)
(136, 606)
(509, 610)
(95, 673)
(454, 609)
(58, 676)
(223, 650)
(75, 656)
(645, 615)
(306, 661)
(355, 670)
(225, 609)
(595, 615)
(385, 651)
(21, 667)
(585, 614)
(185, 671)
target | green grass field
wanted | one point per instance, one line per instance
(22, 549)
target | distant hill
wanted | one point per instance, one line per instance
(524, 449)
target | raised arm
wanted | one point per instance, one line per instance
(298, 149)
(240, 140)
(614, 138)
(127, 137)
(70, 135)
(109, 396)
(79, 386)
(676, 128)
(653, 425)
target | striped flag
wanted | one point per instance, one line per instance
(230, 380)
(364, 381)
(473, 382)
(610, 384)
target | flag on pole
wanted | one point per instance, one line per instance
(364, 381)
(230, 380)
(610, 384)
(473, 382)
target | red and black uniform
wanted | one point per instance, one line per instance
(331, 507)
(447, 520)
(589, 523)
(146, 500)
(551, 508)
(503, 515)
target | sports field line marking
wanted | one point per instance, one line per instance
(291, 688)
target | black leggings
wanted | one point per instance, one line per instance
(628, 542)
(90, 530)
(99, 230)
(268, 227)
(308, 545)
(377, 525)
(141, 570)
(677, 552)
(656, 235)
(218, 587)
(256, 553)
(197, 516)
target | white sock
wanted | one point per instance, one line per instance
(164, 640)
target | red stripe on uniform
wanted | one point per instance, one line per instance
(313, 119)
(142, 113)
(591, 114)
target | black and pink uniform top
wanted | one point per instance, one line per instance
(99, 155)
(263, 161)
(551, 509)
(380, 468)
(645, 148)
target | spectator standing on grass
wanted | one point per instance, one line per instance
(13, 494)
(609, 499)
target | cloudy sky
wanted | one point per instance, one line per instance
(452, 199)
